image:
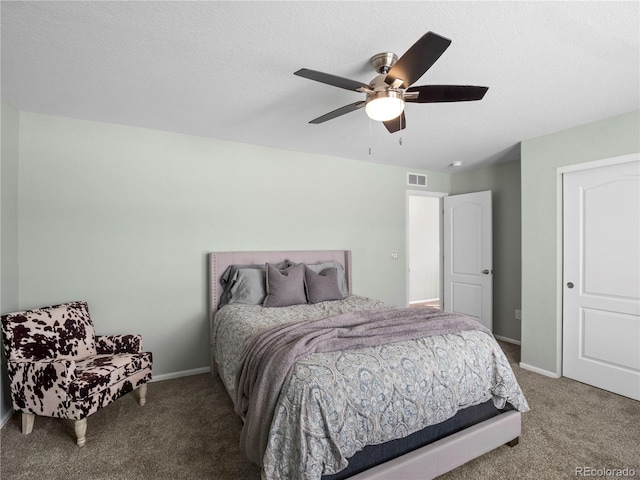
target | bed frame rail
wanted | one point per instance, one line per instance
(450, 452)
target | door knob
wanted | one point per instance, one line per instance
(486, 271)
(569, 284)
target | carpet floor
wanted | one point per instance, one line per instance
(187, 430)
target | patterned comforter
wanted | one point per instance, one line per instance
(333, 404)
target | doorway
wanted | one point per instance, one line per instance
(425, 249)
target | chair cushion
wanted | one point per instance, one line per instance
(61, 332)
(87, 406)
(97, 373)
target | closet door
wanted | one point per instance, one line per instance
(601, 291)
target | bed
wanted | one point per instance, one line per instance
(348, 413)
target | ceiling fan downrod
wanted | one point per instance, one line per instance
(382, 62)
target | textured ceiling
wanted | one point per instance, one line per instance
(225, 70)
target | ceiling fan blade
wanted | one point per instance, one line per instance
(418, 59)
(331, 79)
(340, 111)
(445, 93)
(396, 124)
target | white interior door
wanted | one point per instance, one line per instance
(601, 300)
(468, 261)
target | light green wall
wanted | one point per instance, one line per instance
(541, 241)
(123, 218)
(9, 198)
(503, 180)
(8, 230)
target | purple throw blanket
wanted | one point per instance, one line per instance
(268, 355)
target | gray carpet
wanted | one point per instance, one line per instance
(187, 430)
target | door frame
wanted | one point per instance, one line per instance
(421, 193)
(633, 157)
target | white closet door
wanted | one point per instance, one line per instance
(468, 261)
(601, 299)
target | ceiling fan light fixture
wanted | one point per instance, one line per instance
(384, 105)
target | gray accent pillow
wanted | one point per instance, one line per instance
(323, 286)
(230, 276)
(342, 279)
(249, 286)
(285, 287)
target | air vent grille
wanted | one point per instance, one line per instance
(416, 179)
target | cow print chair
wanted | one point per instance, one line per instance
(58, 367)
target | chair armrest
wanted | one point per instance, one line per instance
(106, 344)
(40, 386)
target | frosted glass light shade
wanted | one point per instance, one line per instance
(385, 105)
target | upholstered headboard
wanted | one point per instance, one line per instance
(219, 261)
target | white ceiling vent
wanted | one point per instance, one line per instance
(416, 179)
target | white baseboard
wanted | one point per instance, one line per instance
(508, 340)
(183, 373)
(425, 300)
(6, 417)
(546, 373)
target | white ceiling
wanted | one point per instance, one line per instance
(225, 70)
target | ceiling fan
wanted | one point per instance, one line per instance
(388, 92)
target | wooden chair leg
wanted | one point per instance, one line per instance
(27, 422)
(142, 394)
(81, 431)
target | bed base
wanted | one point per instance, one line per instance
(450, 452)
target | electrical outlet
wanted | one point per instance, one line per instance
(518, 315)
(395, 255)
